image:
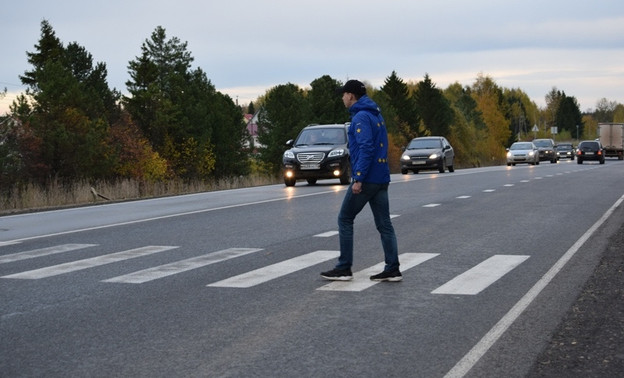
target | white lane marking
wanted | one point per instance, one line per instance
(463, 197)
(489, 190)
(475, 280)
(326, 234)
(286, 198)
(392, 216)
(42, 252)
(470, 359)
(258, 276)
(509, 184)
(432, 205)
(361, 279)
(88, 263)
(161, 271)
(2, 244)
(525, 181)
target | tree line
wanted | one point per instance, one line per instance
(173, 124)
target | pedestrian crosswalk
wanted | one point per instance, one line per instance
(472, 281)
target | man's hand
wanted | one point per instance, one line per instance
(356, 187)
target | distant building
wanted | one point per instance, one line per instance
(252, 129)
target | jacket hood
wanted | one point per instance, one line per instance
(365, 103)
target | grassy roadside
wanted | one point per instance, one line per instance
(57, 195)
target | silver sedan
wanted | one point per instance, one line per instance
(522, 152)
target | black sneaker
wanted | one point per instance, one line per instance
(338, 275)
(392, 276)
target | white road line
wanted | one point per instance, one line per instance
(475, 280)
(326, 234)
(432, 205)
(161, 271)
(2, 244)
(463, 197)
(42, 252)
(489, 190)
(88, 263)
(258, 276)
(361, 279)
(471, 358)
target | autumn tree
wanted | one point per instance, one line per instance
(489, 100)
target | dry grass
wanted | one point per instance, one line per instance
(56, 195)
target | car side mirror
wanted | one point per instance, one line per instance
(289, 143)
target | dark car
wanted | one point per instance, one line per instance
(318, 152)
(565, 151)
(590, 150)
(434, 152)
(546, 149)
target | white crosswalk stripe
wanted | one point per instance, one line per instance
(361, 279)
(42, 252)
(470, 282)
(475, 280)
(88, 263)
(271, 272)
(182, 266)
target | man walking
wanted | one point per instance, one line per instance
(368, 146)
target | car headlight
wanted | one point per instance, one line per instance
(509, 154)
(531, 153)
(406, 157)
(338, 152)
(289, 155)
(433, 156)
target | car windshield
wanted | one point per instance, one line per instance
(542, 143)
(521, 146)
(564, 147)
(423, 144)
(321, 137)
(592, 145)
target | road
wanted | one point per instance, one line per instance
(226, 284)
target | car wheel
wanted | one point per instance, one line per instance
(311, 181)
(441, 167)
(404, 171)
(602, 161)
(345, 179)
(579, 161)
(451, 168)
(289, 181)
(537, 162)
(509, 164)
(553, 161)
(415, 171)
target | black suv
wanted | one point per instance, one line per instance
(547, 149)
(319, 152)
(590, 150)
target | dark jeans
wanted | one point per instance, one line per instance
(376, 195)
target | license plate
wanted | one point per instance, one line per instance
(310, 166)
(419, 162)
(589, 153)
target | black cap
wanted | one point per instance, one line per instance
(353, 86)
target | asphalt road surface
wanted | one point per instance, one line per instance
(226, 284)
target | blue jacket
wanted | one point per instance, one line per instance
(368, 143)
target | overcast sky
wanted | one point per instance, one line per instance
(248, 46)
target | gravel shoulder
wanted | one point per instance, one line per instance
(589, 342)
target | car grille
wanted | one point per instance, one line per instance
(310, 157)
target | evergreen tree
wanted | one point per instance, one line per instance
(405, 118)
(325, 105)
(433, 107)
(69, 110)
(281, 118)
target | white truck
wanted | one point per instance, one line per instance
(612, 139)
